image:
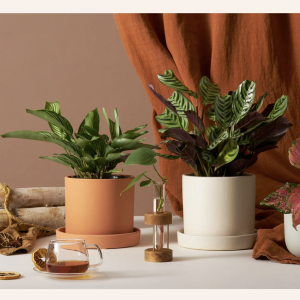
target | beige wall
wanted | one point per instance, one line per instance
(78, 60)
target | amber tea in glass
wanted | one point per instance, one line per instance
(69, 256)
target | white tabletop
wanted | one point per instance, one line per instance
(126, 268)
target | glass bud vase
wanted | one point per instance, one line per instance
(158, 207)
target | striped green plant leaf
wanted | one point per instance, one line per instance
(136, 129)
(55, 107)
(57, 159)
(92, 119)
(209, 129)
(89, 161)
(211, 114)
(208, 156)
(170, 80)
(208, 91)
(217, 136)
(38, 136)
(132, 135)
(259, 103)
(223, 110)
(168, 119)
(278, 109)
(112, 126)
(182, 104)
(50, 135)
(73, 160)
(228, 153)
(245, 139)
(53, 118)
(243, 99)
(72, 147)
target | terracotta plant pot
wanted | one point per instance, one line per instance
(95, 207)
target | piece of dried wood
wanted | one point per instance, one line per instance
(52, 217)
(35, 197)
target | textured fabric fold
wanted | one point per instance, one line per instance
(270, 245)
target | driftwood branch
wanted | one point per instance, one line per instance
(52, 217)
(35, 197)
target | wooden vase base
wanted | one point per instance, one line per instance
(161, 255)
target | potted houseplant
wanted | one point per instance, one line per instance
(286, 200)
(94, 203)
(218, 196)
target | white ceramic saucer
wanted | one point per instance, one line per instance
(66, 275)
(218, 243)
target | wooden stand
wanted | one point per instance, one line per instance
(164, 254)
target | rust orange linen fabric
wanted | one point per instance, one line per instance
(228, 48)
(270, 244)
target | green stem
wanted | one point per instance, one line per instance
(202, 166)
(158, 173)
(79, 173)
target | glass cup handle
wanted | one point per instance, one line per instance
(100, 254)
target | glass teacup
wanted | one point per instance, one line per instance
(70, 256)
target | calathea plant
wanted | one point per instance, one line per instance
(88, 153)
(286, 199)
(237, 134)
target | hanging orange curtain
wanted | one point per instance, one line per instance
(227, 48)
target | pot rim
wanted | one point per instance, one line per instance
(128, 177)
(223, 178)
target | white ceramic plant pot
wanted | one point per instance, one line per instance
(218, 207)
(291, 236)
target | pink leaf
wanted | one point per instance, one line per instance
(277, 199)
(293, 203)
(294, 154)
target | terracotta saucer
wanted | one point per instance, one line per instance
(104, 241)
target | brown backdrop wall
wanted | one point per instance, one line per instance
(78, 60)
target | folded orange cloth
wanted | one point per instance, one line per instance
(270, 245)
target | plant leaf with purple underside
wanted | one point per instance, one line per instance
(277, 199)
(189, 155)
(268, 110)
(175, 146)
(162, 99)
(276, 128)
(180, 135)
(238, 165)
(294, 153)
(252, 119)
(200, 141)
(196, 120)
(293, 203)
